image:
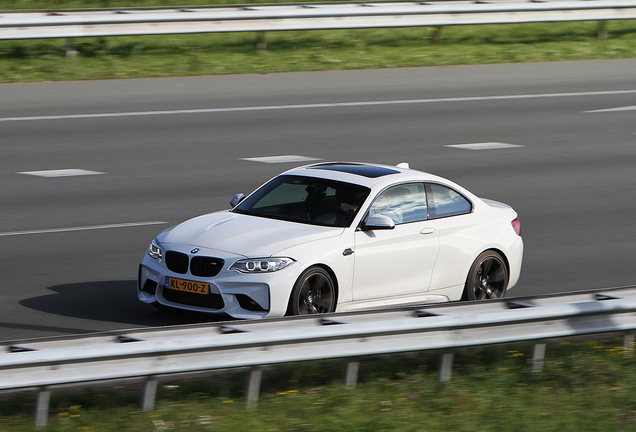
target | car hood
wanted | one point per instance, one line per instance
(250, 236)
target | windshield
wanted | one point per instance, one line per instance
(307, 200)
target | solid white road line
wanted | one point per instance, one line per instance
(627, 108)
(310, 106)
(84, 228)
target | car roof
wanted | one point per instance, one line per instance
(365, 174)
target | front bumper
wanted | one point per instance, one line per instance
(242, 296)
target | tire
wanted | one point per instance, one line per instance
(487, 278)
(314, 292)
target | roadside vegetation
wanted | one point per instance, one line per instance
(213, 54)
(585, 386)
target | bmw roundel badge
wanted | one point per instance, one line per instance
(195, 250)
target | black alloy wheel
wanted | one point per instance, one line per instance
(313, 293)
(487, 279)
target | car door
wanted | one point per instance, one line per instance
(459, 233)
(396, 262)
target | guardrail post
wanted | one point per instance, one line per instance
(446, 367)
(42, 407)
(71, 50)
(437, 35)
(254, 386)
(351, 376)
(150, 394)
(628, 343)
(601, 33)
(260, 40)
(538, 357)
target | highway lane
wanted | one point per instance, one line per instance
(572, 179)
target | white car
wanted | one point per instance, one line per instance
(336, 237)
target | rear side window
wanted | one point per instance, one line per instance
(444, 201)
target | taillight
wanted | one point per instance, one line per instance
(516, 225)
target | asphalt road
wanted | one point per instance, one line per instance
(170, 149)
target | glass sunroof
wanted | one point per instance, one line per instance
(369, 171)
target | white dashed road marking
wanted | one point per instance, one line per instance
(484, 146)
(61, 173)
(84, 228)
(627, 108)
(281, 159)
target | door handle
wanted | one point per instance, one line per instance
(428, 230)
(348, 252)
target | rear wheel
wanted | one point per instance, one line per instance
(487, 278)
(314, 292)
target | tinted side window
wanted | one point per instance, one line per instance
(444, 201)
(403, 203)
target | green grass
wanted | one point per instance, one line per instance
(585, 386)
(211, 54)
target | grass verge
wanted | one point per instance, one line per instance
(585, 386)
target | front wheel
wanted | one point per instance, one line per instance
(487, 278)
(314, 292)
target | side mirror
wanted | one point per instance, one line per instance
(378, 222)
(237, 199)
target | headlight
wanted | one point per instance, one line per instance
(261, 265)
(154, 250)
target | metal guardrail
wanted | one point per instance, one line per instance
(307, 16)
(153, 352)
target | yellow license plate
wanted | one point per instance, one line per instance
(188, 286)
